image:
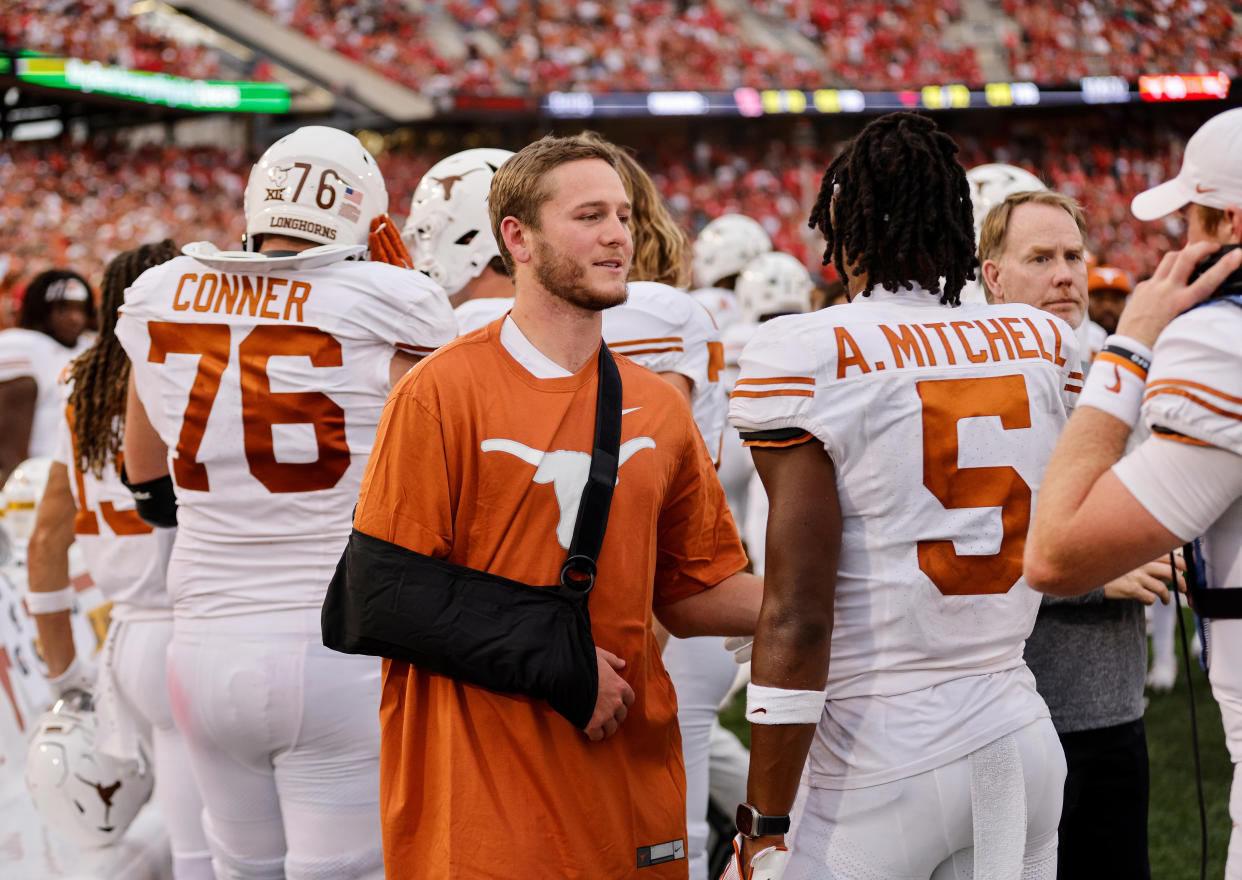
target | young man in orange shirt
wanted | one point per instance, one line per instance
(480, 461)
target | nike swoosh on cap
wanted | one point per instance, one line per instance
(1200, 188)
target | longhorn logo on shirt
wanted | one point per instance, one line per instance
(567, 470)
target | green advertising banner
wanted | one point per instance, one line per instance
(153, 88)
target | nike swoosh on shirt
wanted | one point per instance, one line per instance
(625, 412)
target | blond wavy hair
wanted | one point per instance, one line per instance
(661, 247)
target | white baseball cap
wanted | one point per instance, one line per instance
(1211, 171)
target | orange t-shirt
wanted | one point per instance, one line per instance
(480, 463)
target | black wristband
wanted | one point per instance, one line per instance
(155, 500)
(1143, 363)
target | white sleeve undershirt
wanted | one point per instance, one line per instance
(1185, 487)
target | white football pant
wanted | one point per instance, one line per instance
(1225, 674)
(921, 827)
(702, 672)
(135, 656)
(284, 738)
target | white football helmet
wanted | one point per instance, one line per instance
(773, 284)
(317, 183)
(991, 184)
(448, 231)
(726, 245)
(83, 796)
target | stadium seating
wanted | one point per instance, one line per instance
(1061, 42)
(100, 30)
(79, 205)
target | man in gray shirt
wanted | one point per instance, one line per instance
(1089, 653)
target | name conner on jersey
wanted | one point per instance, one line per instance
(989, 340)
(254, 295)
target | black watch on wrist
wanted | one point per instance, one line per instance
(751, 823)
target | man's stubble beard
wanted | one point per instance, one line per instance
(562, 277)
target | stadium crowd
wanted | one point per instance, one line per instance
(1064, 41)
(52, 194)
(104, 31)
(534, 48)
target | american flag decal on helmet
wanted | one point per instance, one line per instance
(353, 195)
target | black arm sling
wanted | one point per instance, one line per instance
(388, 601)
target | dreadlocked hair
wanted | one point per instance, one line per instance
(100, 375)
(902, 208)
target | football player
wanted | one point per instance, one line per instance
(1100, 513)
(900, 439)
(769, 286)
(56, 310)
(258, 381)
(723, 248)
(128, 560)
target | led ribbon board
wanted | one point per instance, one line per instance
(153, 88)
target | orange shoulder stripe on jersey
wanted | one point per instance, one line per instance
(1186, 383)
(779, 392)
(1075, 377)
(20, 362)
(778, 380)
(781, 444)
(1118, 360)
(1193, 399)
(633, 351)
(676, 339)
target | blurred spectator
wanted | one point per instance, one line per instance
(104, 31)
(1060, 42)
(1107, 289)
(56, 310)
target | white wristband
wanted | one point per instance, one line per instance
(1118, 378)
(769, 705)
(50, 603)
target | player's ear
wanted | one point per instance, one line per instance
(517, 237)
(1233, 219)
(991, 277)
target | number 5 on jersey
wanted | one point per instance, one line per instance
(261, 408)
(945, 403)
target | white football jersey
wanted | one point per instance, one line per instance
(267, 389)
(1194, 388)
(939, 422)
(721, 304)
(35, 354)
(658, 327)
(1090, 336)
(126, 558)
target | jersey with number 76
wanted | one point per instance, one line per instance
(939, 422)
(267, 388)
